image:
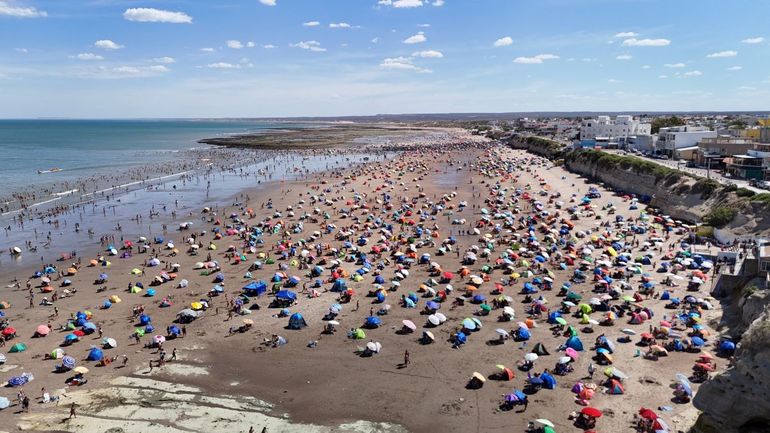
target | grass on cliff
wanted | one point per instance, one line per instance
(720, 216)
(763, 197)
(633, 163)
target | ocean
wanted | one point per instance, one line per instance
(82, 148)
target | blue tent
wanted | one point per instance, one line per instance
(665, 296)
(574, 343)
(95, 354)
(144, 319)
(286, 295)
(255, 288)
(549, 382)
(379, 280)
(380, 296)
(461, 338)
(523, 334)
(727, 347)
(219, 277)
(296, 321)
(174, 330)
(477, 299)
(339, 285)
(529, 288)
(552, 316)
(372, 322)
(150, 292)
(106, 304)
(433, 305)
(697, 341)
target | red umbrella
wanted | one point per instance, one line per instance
(648, 414)
(9, 331)
(592, 412)
(79, 333)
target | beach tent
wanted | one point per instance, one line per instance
(372, 322)
(540, 349)
(296, 321)
(358, 334)
(255, 288)
(339, 285)
(616, 387)
(286, 295)
(18, 347)
(549, 382)
(574, 343)
(95, 354)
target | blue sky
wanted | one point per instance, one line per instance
(185, 58)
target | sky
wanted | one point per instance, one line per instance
(281, 58)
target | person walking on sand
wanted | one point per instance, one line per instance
(591, 370)
(72, 411)
(406, 358)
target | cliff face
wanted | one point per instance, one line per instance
(737, 400)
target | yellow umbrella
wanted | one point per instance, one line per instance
(80, 369)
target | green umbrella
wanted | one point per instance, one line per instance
(561, 321)
(486, 307)
(628, 298)
(18, 347)
(547, 429)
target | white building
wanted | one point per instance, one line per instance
(679, 137)
(605, 127)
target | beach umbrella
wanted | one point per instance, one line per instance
(502, 332)
(560, 321)
(68, 362)
(18, 347)
(614, 372)
(43, 330)
(628, 331)
(441, 317)
(434, 320)
(478, 376)
(409, 324)
(531, 357)
(158, 339)
(469, 324)
(592, 412)
(429, 335)
(648, 414)
(248, 322)
(4, 403)
(18, 380)
(565, 360)
(80, 370)
(544, 422)
(110, 342)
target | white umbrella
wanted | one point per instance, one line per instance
(441, 317)
(531, 357)
(544, 422)
(409, 324)
(434, 320)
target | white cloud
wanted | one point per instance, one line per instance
(311, 24)
(536, 60)
(663, 76)
(626, 35)
(503, 42)
(429, 54)
(722, 54)
(586, 59)
(633, 42)
(223, 65)
(625, 57)
(757, 40)
(613, 81)
(267, 2)
(675, 65)
(21, 50)
(401, 3)
(118, 72)
(8, 9)
(646, 67)
(88, 56)
(309, 45)
(438, 3)
(747, 88)
(693, 74)
(208, 50)
(158, 68)
(236, 45)
(107, 44)
(268, 46)
(375, 40)
(339, 26)
(735, 68)
(150, 15)
(402, 63)
(425, 26)
(416, 39)
(164, 60)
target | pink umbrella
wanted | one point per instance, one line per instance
(43, 330)
(572, 353)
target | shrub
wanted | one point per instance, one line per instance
(720, 216)
(743, 192)
(763, 197)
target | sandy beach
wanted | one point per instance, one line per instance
(450, 198)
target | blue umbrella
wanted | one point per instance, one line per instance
(373, 321)
(18, 380)
(469, 324)
(68, 362)
(697, 341)
(433, 305)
